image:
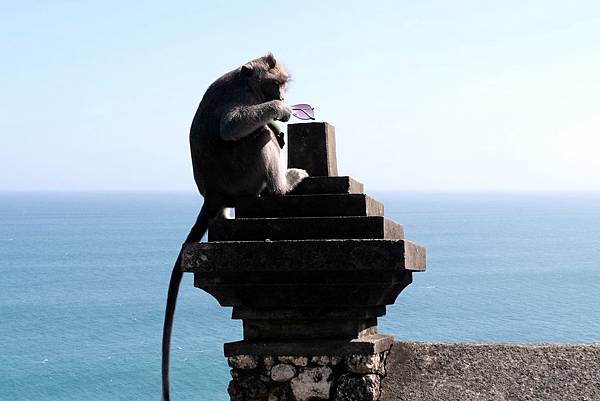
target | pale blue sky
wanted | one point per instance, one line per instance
(426, 95)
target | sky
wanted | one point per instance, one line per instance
(424, 95)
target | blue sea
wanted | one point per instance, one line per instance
(83, 279)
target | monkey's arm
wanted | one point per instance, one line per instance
(241, 121)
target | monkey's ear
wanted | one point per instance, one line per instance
(270, 59)
(247, 70)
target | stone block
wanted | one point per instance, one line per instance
(294, 360)
(366, 345)
(364, 363)
(358, 388)
(304, 274)
(249, 387)
(325, 360)
(322, 313)
(312, 148)
(328, 185)
(288, 293)
(312, 384)
(268, 361)
(285, 228)
(282, 372)
(303, 256)
(327, 205)
(243, 362)
(283, 329)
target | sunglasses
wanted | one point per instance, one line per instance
(303, 111)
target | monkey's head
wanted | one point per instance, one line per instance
(266, 77)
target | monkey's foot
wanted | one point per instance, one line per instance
(294, 176)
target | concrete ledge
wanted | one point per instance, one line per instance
(492, 372)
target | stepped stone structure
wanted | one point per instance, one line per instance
(308, 274)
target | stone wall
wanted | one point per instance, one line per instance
(492, 372)
(303, 378)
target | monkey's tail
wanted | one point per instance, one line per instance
(195, 235)
(176, 275)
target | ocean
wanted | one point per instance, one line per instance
(84, 279)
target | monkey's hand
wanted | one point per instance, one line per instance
(284, 111)
(241, 121)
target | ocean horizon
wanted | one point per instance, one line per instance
(85, 275)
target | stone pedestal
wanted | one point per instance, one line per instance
(308, 274)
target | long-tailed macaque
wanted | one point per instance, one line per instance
(234, 154)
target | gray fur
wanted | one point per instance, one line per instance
(234, 154)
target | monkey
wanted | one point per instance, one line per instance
(234, 154)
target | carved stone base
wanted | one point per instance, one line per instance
(308, 273)
(352, 377)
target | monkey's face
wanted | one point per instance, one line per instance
(273, 89)
(266, 77)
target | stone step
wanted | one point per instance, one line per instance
(365, 345)
(303, 256)
(328, 185)
(290, 228)
(308, 206)
(319, 313)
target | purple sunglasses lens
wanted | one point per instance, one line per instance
(303, 111)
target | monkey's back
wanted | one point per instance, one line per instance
(229, 169)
